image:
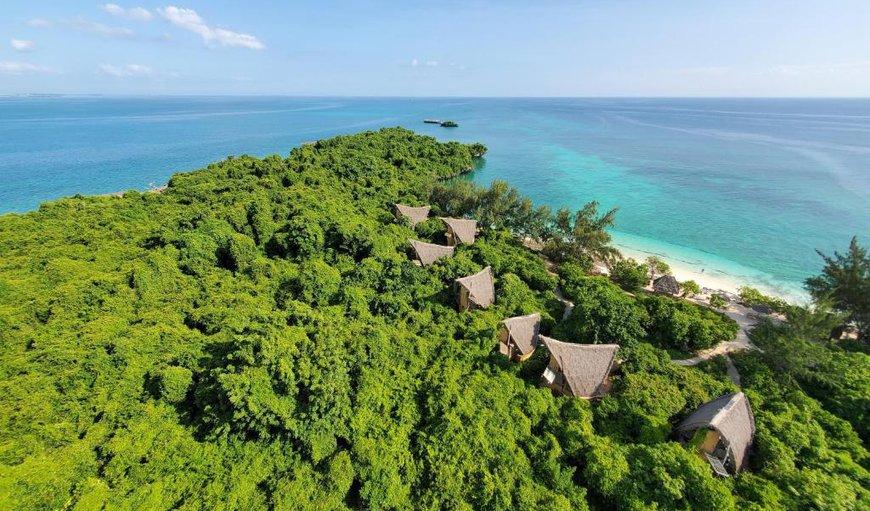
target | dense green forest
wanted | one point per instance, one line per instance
(257, 337)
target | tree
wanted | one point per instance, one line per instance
(751, 296)
(845, 280)
(656, 267)
(173, 383)
(717, 302)
(690, 288)
(602, 314)
(582, 234)
(499, 207)
(813, 323)
(680, 324)
(318, 282)
(629, 274)
(302, 236)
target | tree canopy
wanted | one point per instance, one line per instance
(257, 337)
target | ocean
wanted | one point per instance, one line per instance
(744, 190)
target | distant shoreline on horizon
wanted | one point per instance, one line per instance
(319, 97)
(417, 98)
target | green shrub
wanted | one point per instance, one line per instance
(603, 313)
(174, 383)
(629, 274)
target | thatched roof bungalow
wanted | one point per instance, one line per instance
(728, 426)
(519, 336)
(475, 291)
(415, 215)
(460, 230)
(762, 308)
(581, 370)
(666, 284)
(428, 253)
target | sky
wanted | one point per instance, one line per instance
(676, 48)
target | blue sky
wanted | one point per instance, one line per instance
(443, 48)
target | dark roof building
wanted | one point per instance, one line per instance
(762, 308)
(428, 253)
(666, 284)
(729, 427)
(581, 370)
(475, 291)
(520, 336)
(460, 230)
(415, 215)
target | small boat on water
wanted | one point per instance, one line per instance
(449, 124)
(432, 121)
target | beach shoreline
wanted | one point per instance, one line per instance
(711, 276)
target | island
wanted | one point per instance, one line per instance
(350, 326)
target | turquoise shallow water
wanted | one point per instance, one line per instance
(746, 188)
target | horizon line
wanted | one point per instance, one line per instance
(340, 96)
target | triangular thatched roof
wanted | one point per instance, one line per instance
(414, 214)
(463, 229)
(480, 286)
(524, 331)
(666, 284)
(428, 253)
(730, 415)
(585, 367)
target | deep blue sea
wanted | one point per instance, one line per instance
(743, 188)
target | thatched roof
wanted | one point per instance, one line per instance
(730, 415)
(464, 229)
(428, 253)
(525, 331)
(584, 366)
(414, 214)
(666, 284)
(481, 289)
(762, 308)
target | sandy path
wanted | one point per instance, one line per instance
(746, 318)
(732, 371)
(569, 305)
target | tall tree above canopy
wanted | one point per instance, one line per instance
(582, 234)
(845, 281)
(656, 267)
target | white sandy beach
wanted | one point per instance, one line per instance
(711, 277)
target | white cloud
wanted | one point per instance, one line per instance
(92, 27)
(40, 23)
(85, 26)
(22, 45)
(189, 20)
(133, 13)
(130, 70)
(12, 67)
(425, 63)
